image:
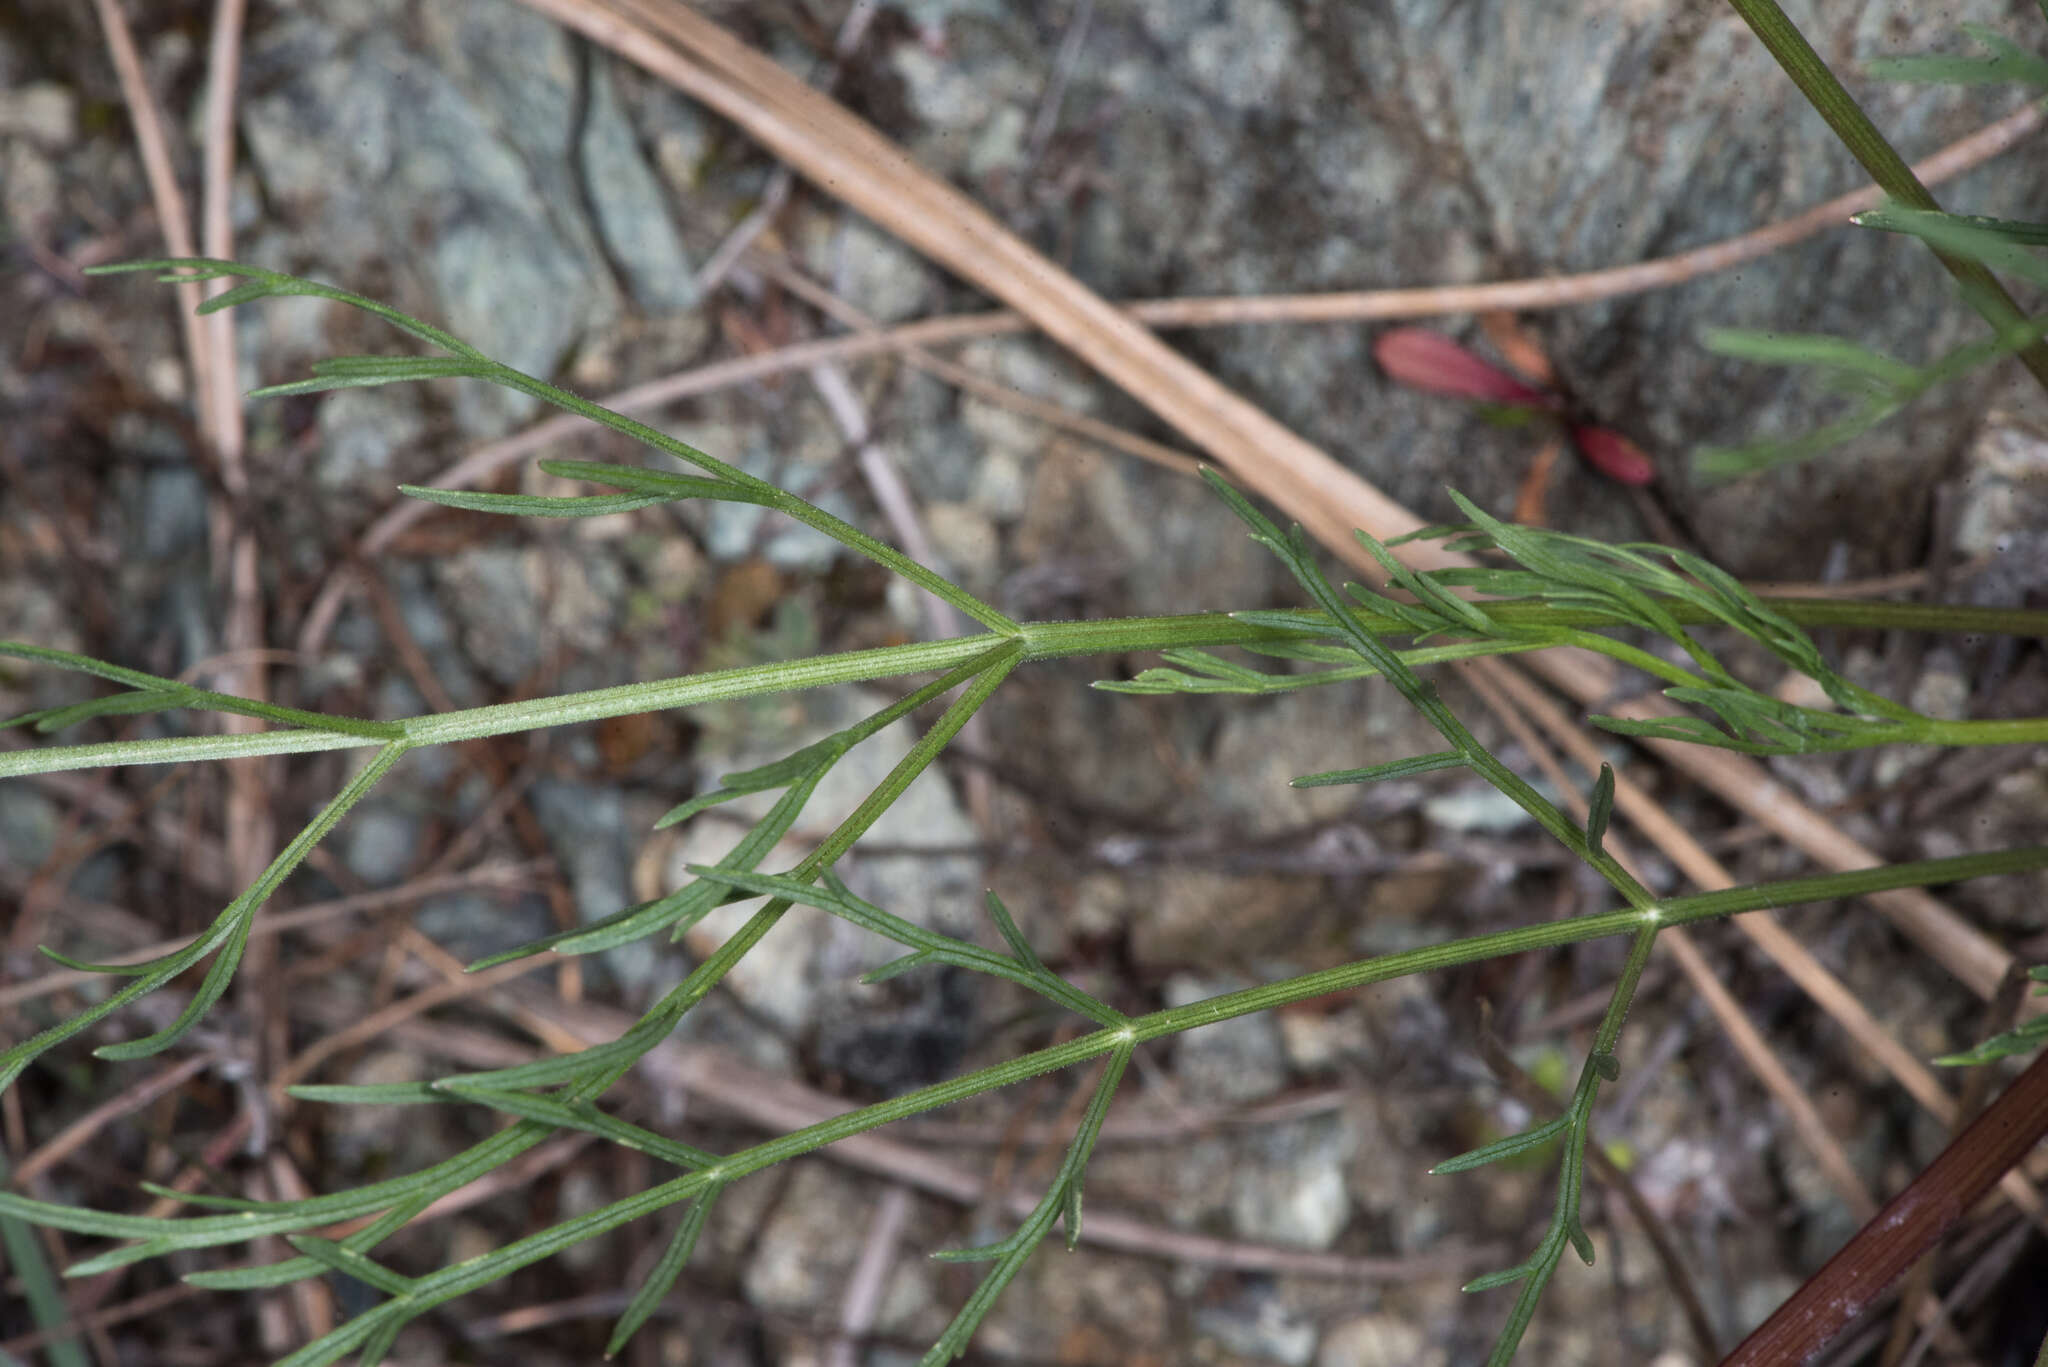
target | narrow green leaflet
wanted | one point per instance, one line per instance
(1600, 809)
(1377, 773)
(533, 505)
(2009, 63)
(2006, 229)
(1996, 247)
(1508, 1147)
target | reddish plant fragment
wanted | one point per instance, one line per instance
(1518, 347)
(1910, 1225)
(1613, 455)
(1430, 361)
(1535, 486)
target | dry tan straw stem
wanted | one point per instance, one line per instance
(173, 217)
(849, 159)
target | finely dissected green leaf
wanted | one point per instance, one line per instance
(1587, 583)
(228, 934)
(1600, 809)
(800, 772)
(465, 360)
(1375, 773)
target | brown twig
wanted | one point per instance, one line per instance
(1909, 1225)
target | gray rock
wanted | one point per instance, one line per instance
(1258, 1324)
(470, 925)
(379, 843)
(29, 185)
(170, 512)
(872, 271)
(1293, 1191)
(28, 826)
(632, 212)
(1377, 1341)
(492, 595)
(361, 431)
(462, 142)
(2003, 510)
(42, 111)
(808, 1247)
(1248, 55)
(593, 842)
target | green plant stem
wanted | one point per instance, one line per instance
(1788, 46)
(1037, 640)
(281, 1218)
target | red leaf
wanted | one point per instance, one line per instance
(1613, 455)
(1430, 361)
